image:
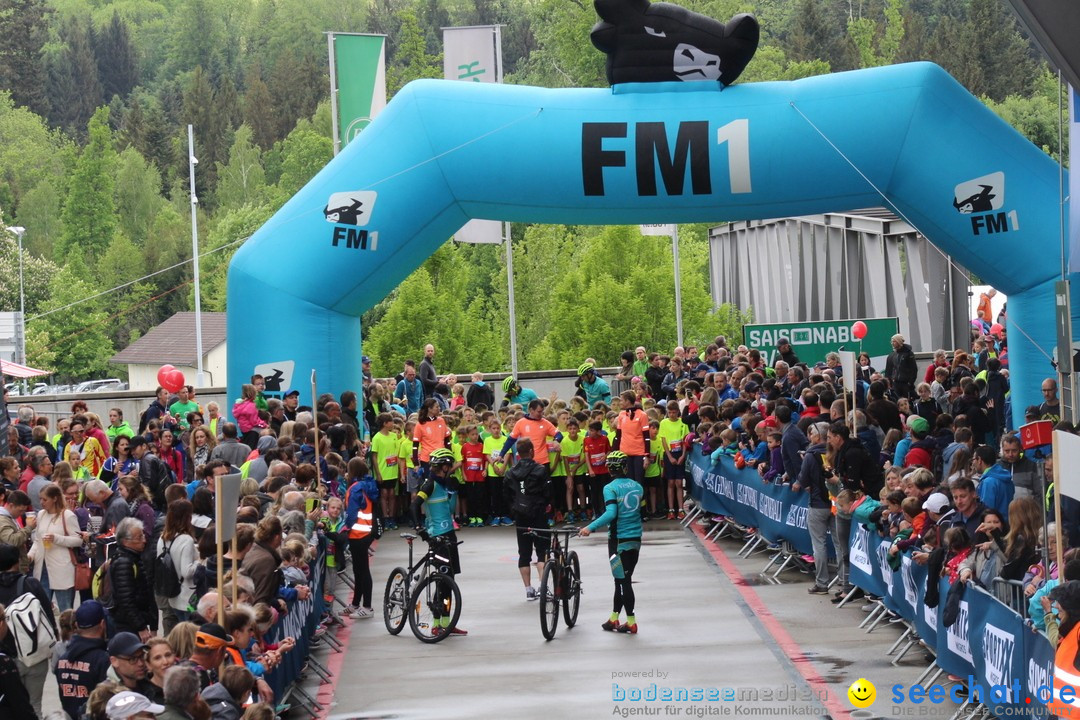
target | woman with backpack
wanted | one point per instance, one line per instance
(55, 538)
(178, 538)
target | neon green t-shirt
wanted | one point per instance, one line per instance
(385, 446)
(492, 447)
(455, 447)
(572, 453)
(674, 432)
(405, 451)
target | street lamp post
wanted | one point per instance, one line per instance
(19, 232)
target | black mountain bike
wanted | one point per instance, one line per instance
(423, 593)
(560, 583)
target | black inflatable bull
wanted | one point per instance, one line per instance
(660, 42)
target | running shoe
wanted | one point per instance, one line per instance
(363, 613)
(818, 590)
(681, 515)
(458, 631)
(628, 629)
(670, 515)
(569, 517)
(508, 522)
(611, 626)
(530, 593)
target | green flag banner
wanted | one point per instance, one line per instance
(358, 82)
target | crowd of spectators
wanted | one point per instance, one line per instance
(132, 507)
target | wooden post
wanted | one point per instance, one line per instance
(218, 512)
(1057, 507)
(315, 411)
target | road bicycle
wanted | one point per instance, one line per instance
(423, 593)
(560, 583)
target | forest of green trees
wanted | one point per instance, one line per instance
(96, 95)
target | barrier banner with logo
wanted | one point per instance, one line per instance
(778, 512)
(995, 635)
(300, 623)
(987, 640)
(1038, 662)
(864, 570)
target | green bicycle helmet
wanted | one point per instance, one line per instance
(616, 462)
(442, 456)
(509, 383)
(584, 368)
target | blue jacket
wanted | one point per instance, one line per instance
(364, 486)
(996, 489)
(413, 394)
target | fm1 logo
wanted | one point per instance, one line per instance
(348, 211)
(982, 199)
(601, 148)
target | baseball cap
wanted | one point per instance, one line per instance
(751, 387)
(936, 503)
(127, 704)
(212, 636)
(770, 422)
(782, 341)
(365, 360)
(290, 393)
(90, 614)
(125, 644)
(918, 424)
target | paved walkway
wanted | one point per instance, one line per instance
(779, 651)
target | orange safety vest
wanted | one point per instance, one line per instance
(361, 527)
(1066, 674)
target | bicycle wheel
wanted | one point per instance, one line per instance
(571, 589)
(436, 592)
(396, 600)
(549, 600)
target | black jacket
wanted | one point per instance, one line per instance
(902, 370)
(155, 476)
(654, 376)
(9, 591)
(526, 489)
(133, 606)
(812, 476)
(858, 470)
(480, 395)
(80, 669)
(14, 697)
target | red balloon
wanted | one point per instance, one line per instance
(173, 380)
(858, 329)
(162, 373)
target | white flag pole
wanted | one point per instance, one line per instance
(333, 94)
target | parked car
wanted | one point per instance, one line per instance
(100, 385)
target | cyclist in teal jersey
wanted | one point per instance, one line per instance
(514, 394)
(436, 494)
(622, 502)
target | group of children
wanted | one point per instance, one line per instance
(577, 462)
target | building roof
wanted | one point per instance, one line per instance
(173, 341)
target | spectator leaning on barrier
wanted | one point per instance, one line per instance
(793, 441)
(812, 476)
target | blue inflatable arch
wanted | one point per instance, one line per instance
(444, 152)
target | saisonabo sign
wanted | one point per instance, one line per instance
(812, 341)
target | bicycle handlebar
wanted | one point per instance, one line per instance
(569, 529)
